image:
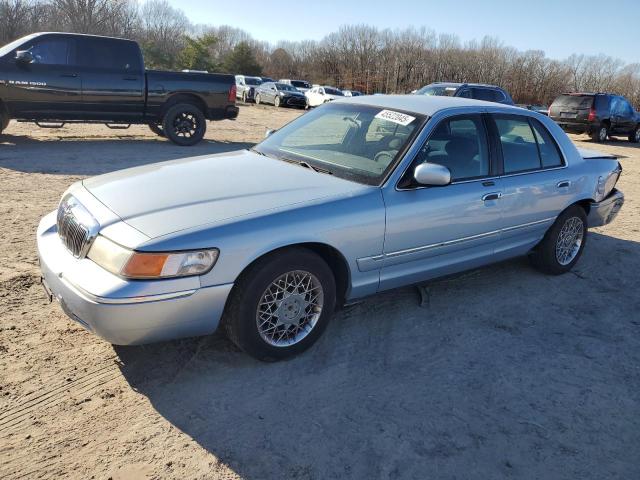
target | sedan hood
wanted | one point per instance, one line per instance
(170, 196)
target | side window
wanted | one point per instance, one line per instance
(623, 108)
(460, 144)
(109, 54)
(519, 146)
(321, 91)
(549, 151)
(51, 51)
(485, 94)
(465, 93)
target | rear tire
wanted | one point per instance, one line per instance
(600, 134)
(157, 129)
(634, 137)
(4, 121)
(184, 124)
(290, 293)
(562, 245)
(244, 97)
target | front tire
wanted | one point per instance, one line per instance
(184, 124)
(281, 304)
(257, 100)
(634, 137)
(563, 243)
(276, 101)
(600, 134)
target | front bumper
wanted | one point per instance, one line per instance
(602, 213)
(125, 312)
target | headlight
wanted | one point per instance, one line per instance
(131, 264)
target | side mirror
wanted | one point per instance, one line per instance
(432, 174)
(24, 56)
(269, 132)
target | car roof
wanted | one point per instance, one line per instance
(457, 84)
(71, 34)
(422, 104)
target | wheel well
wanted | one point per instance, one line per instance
(585, 204)
(184, 98)
(336, 261)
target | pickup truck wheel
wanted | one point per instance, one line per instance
(634, 137)
(4, 121)
(281, 304)
(563, 243)
(600, 134)
(184, 124)
(157, 129)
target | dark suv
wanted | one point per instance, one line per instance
(479, 91)
(599, 114)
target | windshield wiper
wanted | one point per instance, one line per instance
(302, 163)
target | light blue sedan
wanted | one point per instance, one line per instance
(358, 196)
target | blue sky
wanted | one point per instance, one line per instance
(558, 27)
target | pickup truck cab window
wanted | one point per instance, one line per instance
(51, 51)
(460, 144)
(110, 54)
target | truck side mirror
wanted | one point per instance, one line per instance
(24, 56)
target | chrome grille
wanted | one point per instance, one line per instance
(76, 227)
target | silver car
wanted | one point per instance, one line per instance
(361, 195)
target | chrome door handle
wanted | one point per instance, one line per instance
(491, 196)
(563, 184)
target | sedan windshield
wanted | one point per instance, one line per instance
(285, 87)
(437, 91)
(357, 142)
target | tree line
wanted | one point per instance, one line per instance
(356, 57)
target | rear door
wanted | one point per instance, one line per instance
(113, 80)
(623, 116)
(49, 87)
(534, 181)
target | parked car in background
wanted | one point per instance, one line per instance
(280, 95)
(534, 108)
(266, 79)
(63, 78)
(600, 115)
(477, 91)
(319, 95)
(353, 198)
(301, 85)
(246, 87)
(352, 93)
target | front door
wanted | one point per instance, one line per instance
(434, 231)
(47, 88)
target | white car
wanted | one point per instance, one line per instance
(319, 95)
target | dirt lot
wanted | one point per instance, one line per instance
(506, 373)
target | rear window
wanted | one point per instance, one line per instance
(573, 101)
(109, 54)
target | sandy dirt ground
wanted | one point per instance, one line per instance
(502, 373)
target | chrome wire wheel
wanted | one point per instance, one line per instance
(185, 124)
(569, 240)
(289, 308)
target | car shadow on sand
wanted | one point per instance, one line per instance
(498, 372)
(73, 156)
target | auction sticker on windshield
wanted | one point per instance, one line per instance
(395, 117)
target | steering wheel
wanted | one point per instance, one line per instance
(379, 156)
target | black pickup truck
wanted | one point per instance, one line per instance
(57, 78)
